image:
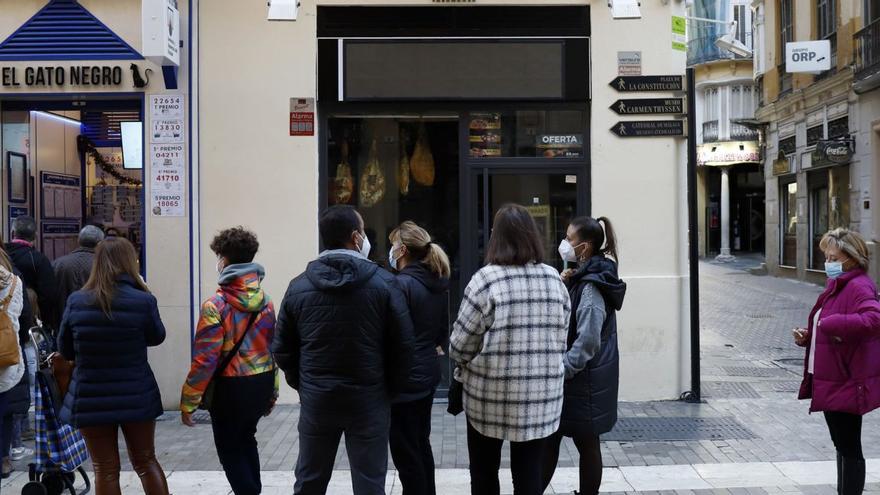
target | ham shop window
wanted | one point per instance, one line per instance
(397, 168)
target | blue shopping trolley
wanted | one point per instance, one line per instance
(60, 448)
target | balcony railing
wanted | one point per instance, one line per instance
(703, 50)
(739, 132)
(710, 131)
(867, 53)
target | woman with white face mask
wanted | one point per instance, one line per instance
(591, 361)
(842, 340)
(423, 276)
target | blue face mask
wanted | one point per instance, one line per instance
(833, 269)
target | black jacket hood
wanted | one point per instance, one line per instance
(421, 272)
(340, 271)
(602, 272)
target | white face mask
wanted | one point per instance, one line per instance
(220, 264)
(365, 246)
(392, 261)
(566, 251)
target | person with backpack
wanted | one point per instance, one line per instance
(108, 326)
(12, 361)
(592, 362)
(423, 275)
(233, 374)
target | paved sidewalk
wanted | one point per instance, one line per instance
(750, 435)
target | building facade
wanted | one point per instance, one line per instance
(730, 179)
(437, 112)
(821, 130)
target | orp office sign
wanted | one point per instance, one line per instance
(808, 56)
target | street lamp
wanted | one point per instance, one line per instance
(727, 42)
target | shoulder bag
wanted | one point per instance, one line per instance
(208, 396)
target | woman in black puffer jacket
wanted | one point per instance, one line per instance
(592, 370)
(423, 276)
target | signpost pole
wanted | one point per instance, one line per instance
(693, 239)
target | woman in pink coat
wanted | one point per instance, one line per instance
(842, 366)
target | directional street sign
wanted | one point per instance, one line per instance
(648, 106)
(647, 83)
(649, 128)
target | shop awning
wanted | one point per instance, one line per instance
(728, 153)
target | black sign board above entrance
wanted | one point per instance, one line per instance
(649, 128)
(648, 106)
(832, 152)
(647, 83)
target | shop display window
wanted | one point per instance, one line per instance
(527, 134)
(829, 207)
(789, 217)
(396, 169)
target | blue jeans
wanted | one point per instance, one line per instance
(366, 441)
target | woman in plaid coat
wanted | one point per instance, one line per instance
(509, 341)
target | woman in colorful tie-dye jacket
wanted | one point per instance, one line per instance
(246, 389)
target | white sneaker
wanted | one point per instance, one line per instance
(20, 453)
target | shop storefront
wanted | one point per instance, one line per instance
(813, 178)
(443, 125)
(94, 131)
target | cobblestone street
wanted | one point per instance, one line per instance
(750, 435)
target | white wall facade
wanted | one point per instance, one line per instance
(247, 170)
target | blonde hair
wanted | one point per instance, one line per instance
(849, 242)
(418, 242)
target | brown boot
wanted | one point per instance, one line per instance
(7, 468)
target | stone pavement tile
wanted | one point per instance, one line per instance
(566, 480)
(663, 478)
(740, 475)
(812, 473)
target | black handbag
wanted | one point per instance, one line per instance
(455, 399)
(208, 396)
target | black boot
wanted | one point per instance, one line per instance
(839, 474)
(853, 477)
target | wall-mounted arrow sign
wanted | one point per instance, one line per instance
(649, 128)
(648, 106)
(647, 83)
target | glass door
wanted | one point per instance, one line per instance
(550, 197)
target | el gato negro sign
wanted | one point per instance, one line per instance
(58, 77)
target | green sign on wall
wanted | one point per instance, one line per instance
(679, 34)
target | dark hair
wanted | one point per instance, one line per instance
(590, 230)
(237, 245)
(515, 239)
(24, 228)
(336, 225)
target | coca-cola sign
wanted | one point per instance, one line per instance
(835, 151)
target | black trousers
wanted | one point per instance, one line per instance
(239, 404)
(411, 445)
(366, 443)
(590, 462)
(846, 433)
(485, 461)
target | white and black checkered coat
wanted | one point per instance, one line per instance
(509, 341)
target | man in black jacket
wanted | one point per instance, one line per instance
(36, 270)
(344, 340)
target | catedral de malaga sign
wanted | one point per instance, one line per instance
(50, 76)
